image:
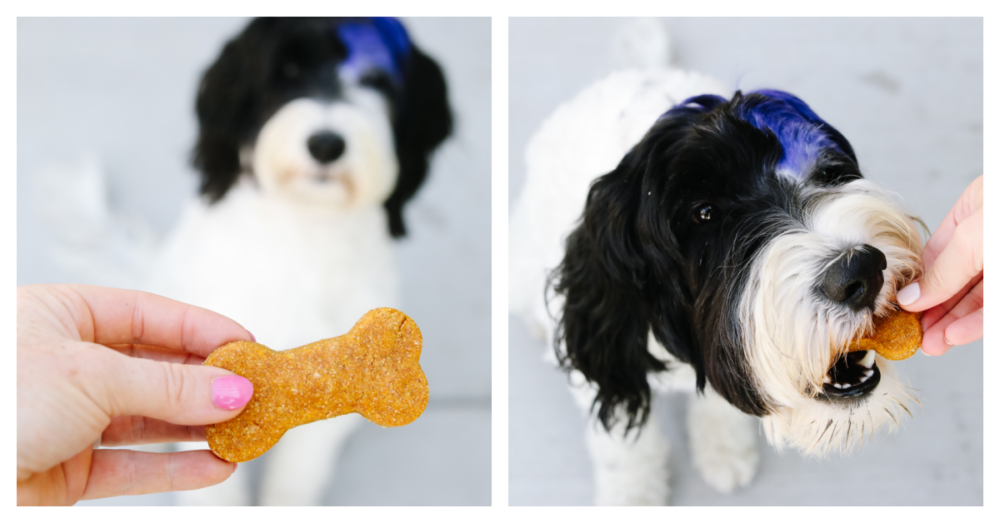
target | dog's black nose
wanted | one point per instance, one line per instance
(855, 278)
(326, 146)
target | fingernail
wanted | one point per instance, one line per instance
(908, 294)
(254, 338)
(231, 392)
(922, 352)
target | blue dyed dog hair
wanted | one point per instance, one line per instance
(394, 35)
(801, 132)
(376, 42)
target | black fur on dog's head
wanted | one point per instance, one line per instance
(665, 240)
(276, 60)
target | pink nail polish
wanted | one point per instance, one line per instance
(231, 392)
(908, 294)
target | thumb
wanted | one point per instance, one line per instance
(172, 392)
(959, 262)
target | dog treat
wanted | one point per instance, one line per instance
(373, 370)
(897, 336)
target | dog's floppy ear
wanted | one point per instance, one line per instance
(423, 120)
(227, 106)
(605, 318)
(620, 276)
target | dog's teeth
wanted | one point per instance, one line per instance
(868, 359)
(826, 379)
(868, 373)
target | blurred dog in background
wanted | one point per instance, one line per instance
(313, 135)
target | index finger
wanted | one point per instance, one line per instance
(967, 205)
(118, 316)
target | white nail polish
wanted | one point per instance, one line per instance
(908, 294)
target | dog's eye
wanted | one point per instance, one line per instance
(828, 173)
(836, 172)
(702, 213)
(291, 69)
(376, 79)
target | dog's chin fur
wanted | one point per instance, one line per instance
(647, 292)
(818, 428)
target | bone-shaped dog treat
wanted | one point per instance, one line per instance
(897, 336)
(373, 370)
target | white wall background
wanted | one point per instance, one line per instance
(908, 94)
(123, 89)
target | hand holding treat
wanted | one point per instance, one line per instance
(951, 290)
(373, 370)
(93, 364)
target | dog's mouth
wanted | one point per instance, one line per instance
(327, 177)
(853, 375)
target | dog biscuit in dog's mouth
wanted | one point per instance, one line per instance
(373, 370)
(896, 337)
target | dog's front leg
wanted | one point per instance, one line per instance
(723, 441)
(299, 468)
(628, 469)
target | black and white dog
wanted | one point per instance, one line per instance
(728, 245)
(313, 135)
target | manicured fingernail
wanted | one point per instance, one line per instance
(231, 392)
(922, 352)
(254, 338)
(908, 294)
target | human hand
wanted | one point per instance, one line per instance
(119, 367)
(951, 289)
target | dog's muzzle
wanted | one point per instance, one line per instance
(854, 281)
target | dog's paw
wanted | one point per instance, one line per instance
(649, 487)
(723, 443)
(726, 468)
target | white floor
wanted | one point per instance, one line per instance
(908, 94)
